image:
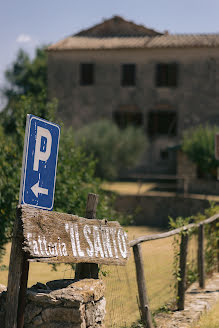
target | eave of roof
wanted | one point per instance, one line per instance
(161, 41)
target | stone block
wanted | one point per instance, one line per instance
(31, 311)
(57, 325)
(89, 289)
(37, 321)
(95, 312)
(60, 314)
(42, 297)
(3, 288)
(79, 305)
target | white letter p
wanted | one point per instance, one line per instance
(42, 155)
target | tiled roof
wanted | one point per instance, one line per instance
(161, 41)
(117, 33)
(117, 27)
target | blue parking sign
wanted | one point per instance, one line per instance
(39, 163)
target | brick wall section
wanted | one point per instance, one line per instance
(63, 304)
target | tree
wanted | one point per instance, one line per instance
(26, 93)
(114, 150)
(198, 143)
(26, 76)
(75, 172)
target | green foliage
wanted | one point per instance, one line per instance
(3, 267)
(113, 149)
(26, 76)
(211, 246)
(178, 222)
(192, 272)
(9, 185)
(198, 144)
(75, 172)
(12, 128)
(75, 179)
(212, 238)
(13, 118)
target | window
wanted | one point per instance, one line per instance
(167, 75)
(128, 75)
(162, 123)
(128, 115)
(164, 154)
(86, 74)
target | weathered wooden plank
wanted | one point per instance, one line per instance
(162, 235)
(172, 232)
(201, 258)
(88, 270)
(14, 276)
(142, 291)
(182, 270)
(58, 237)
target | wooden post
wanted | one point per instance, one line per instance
(23, 291)
(15, 273)
(142, 291)
(218, 255)
(216, 229)
(88, 270)
(201, 260)
(182, 270)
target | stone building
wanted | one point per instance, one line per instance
(162, 82)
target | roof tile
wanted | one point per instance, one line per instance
(164, 41)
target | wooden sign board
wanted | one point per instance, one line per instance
(57, 237)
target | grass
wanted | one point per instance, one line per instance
(128, 188)
(210, 319)
(38, 271)
(121, 288)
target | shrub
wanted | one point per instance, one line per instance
(198, 144)
(210, 249)
(113, 149)
(75, 172)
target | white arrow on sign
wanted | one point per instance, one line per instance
(38, 190)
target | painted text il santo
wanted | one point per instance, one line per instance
(96, 241)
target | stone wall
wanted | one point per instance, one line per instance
(194, 100)
(185, 167)
(203, 186)
(62, 304)
(154, 210)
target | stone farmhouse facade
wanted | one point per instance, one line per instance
(162, 82)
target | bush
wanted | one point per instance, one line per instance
(75, 172)
(113, 149)
(210, 249)
(198, 143)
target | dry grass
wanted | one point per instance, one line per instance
(121, 288)
(210, 319)
(38, 271)
(128, 188)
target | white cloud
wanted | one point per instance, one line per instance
(24, 38)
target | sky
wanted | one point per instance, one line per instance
(28, 24)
